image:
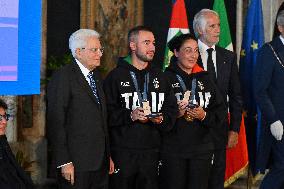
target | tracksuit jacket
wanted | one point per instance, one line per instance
(122, 99)
(191, 138)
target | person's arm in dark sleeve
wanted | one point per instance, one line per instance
(235, 98)
(262, 79)
(216, 112)
(58, 96)
(117, 115)
(169, 109)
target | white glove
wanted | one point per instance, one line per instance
(276, 129)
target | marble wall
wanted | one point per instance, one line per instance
(270, 8)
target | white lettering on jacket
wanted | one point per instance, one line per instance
(157, 100)
(202, 101)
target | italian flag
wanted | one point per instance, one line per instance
(225, 35)
(178, 25)
(236, 158)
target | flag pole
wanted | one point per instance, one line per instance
(239, 28)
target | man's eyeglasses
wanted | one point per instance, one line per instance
(5, 116)
(95, 50)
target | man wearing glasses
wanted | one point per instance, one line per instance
(140, 104)
(11, 174)
(76, 114)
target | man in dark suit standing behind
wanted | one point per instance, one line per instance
(76, 114)
(222, 66)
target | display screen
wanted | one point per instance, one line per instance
(9, 14)
(20, 44)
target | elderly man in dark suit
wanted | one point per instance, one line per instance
(222, 66)
(76, 114)
(269, 93)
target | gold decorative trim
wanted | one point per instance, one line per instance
(235, 176)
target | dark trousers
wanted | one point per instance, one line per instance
(180, 173)
(217, 173)
(134, 170)
(275, 177)
(86, 179)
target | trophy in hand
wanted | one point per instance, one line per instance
(187, 117)
(146, 107)
(147, 110)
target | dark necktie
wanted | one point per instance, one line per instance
(210, 64)
(93, 86)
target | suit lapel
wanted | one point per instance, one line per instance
(279, 48)
(281, 55)
(83, 82)
(101, 96)
(100, 89)
(220, 63)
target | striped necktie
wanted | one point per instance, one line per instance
(93, 85)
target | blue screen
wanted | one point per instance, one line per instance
(20, 44)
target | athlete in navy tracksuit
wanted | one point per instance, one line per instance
(135, 138)
(187, 149)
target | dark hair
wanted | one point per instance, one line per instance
(280, 18)
(178, 41)
(3, 104)
(133, 33)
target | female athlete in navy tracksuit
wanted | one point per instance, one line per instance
(187, 149)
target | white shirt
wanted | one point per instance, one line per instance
(282, 39)
(85, 71)
(204, 54)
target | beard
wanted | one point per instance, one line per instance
(144, 57)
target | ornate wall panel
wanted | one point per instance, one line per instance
(112, 19)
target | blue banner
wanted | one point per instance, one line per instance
(9, 40)
(20, 46)
(253, 39)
